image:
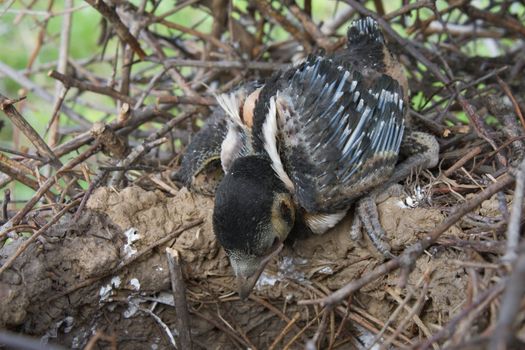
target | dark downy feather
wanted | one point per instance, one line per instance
(204, 149)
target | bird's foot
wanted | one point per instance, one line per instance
(366, 217)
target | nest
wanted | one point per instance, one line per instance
(107, 252)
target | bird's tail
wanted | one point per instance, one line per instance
(364, 32)
(366, 47)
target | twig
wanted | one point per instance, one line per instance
(6, 105)
(17, 171)
(55, 116)
(163, 325)
(85, 86)
(38, 233)
(311, 344)
(129, 260)
(193, 32)
(407, 8)
(18, 228)
(310, 27)
(482, 299)
(470, 154)
(23, 342)
(40, 92)
(187, 100)
(285, 331)
(47, 185)
(504, 21)
(6, 7)
(21, 154)
(150, 86)
(479, 125)
(134, 155)
(340, 18)
(60, 92)
(515, 104)
(96, 182)
(411, 314)
(123, 126)
(151, 141)
(5, 204)
(112, 143)
(178, 288)
(276, 311)
(510, 307)
(40, 38)
(266, 9)
(226, 330)
(223, 65)
(99, 335)
(393, 316)
(122, 31)
(513, 230)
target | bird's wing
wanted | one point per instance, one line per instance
(238, 107)
(204, 150)
(339, 134)
(224, 137)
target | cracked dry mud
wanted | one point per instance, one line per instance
(118, 224)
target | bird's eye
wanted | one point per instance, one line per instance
(286, 213)
(276, 242)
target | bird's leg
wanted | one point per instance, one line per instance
(421, 151)
(366, 217)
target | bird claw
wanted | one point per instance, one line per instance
(422, 152)
(366, 217)
(356, 231)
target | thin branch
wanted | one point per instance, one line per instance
(507, 22)
(5, 204)
(6, 105)
(178, 288)
(408, 8)
(131, 259)
(510, 306)
(175, 100)
(266, 9)
(22, 80)
(47, 185)
(63, 52)
(223, 65)
(121, 30)
(18, 341)
(483, 299)
(17, 171)
(514, 228)
(85, 86)
(35, 235)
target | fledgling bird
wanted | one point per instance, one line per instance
(300, 149)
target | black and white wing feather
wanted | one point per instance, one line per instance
(340, 135)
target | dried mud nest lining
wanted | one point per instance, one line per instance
(67, 292)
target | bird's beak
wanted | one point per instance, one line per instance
(246, 284)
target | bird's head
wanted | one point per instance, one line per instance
(253, 215)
